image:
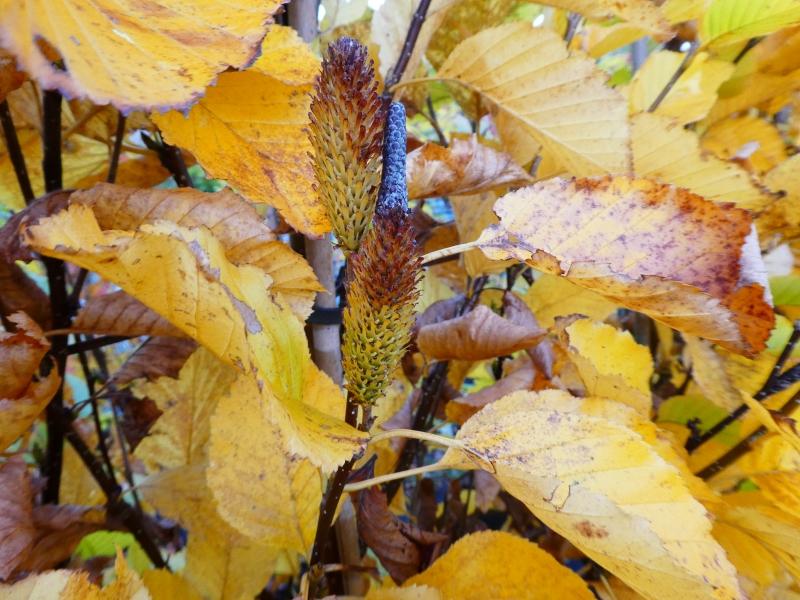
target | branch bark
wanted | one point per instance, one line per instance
(15, 152)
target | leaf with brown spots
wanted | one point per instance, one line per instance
(664, 251)
(593, 471)
(400, 546)
(465, 167)
(250, 129)
(157, 357)
(478, 335)
(136, 56)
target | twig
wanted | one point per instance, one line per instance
(751, 43)
(59, 301)
(434, 121)
(774, 383)
(687, 60)
(15, 152)
(408, 45)
(745, 445)
(573, 20)
(93, 343)
(171, 159)
(120, 135)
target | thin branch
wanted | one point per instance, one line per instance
(171, 159)
(751, 43)
(397, 475)
(408, 45)
(437, 255)
(687, 60)
(93, 343)
(573, 20)
(774, 384)
(434, 121)
(119, 136)
(15, 152)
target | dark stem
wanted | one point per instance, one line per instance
(15, 152)
(119, 136)
(573, 20)
(408, 46)
(91, 344)
(434, 121)
(774, 383)
(116, 506)
(751, 43)
(124, 451)
(59, 301)
(328, 508)
(171, 159)
(745, 445)
(687, 60)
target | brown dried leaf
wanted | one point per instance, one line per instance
(465, 167)
(10, 77)
(138, 416)
(59, 529)
(664, 251)
(487, 489)
(397, 544)
(118, 313)
(477, 335)
(157, 357)
(16, 521)
(18, 292)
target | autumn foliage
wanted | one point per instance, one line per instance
(443, 300)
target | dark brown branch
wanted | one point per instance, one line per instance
(59, 301)
(15, 152)
(408, 45)
(774, 384)
(687, 60)
(573, 20)
(171, 159)
(115, 154)
(91, 344)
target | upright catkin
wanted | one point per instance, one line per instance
(382, 279)
(345, 131)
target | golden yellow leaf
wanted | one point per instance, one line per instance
(587, 469)
(560, 101)
(611, 364)
(751, 141)
(726, 22)
(260, 146)
(180, 436)
(260, 488)
(184, 275)
(781, 489)
(465, 167)
(127, 585)
(551, 296)
(164, 585)
(133, 171)
(693, 94)
(687, 262)
(414, 592)
(501, 566)
(783, 216)
(223, 565)
(602, 39)
(751, 559)
(81, 157)
(642, 13)
(22, 398)
(233, 221)
(663, 150)
(135, 56)
(721, 375)
(472, 214)
(78, 486)
(118, 313)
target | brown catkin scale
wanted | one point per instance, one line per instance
(346, 132)
(383, 277)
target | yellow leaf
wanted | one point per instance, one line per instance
(751, 141)
(233, 221)
(414, 592)
(81, 157)
(602, 39)
(261, 489)
(465, 167)
(22, 398)
(501, 566)
(663, 150)
(134, 171)
(260, 146)
(472, 214)
(642, 13)
(611, 364)
(184, 275)
(164, 585)
(726, 22)
(687, 262)
(135, 56)
(560, 101)
(783, 216)
(693, 94)
(585, 467)
(721, 375)
(551, 296)
(781, 489)
(180, 436)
